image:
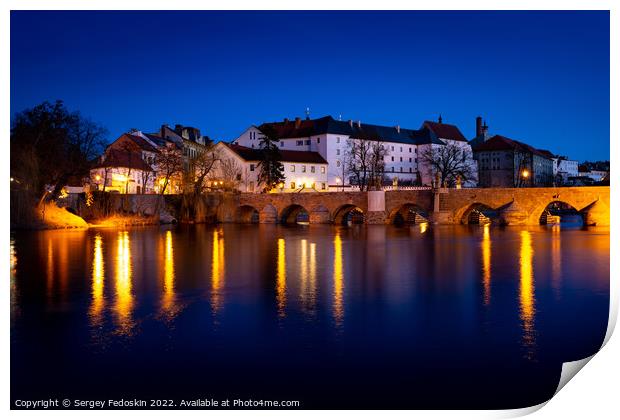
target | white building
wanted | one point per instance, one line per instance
(330, 138)
(564, 168)
(238, 168)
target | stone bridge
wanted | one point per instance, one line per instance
(514, 206)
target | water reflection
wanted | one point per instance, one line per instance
(526, 293)
(486, 263)
(169, 305)
(217, 270)
(281, 278)
(49, 268)
(556, 260)
(308, 276)
(338, 308)
(97, 295)
(14, 295)
(124, 298)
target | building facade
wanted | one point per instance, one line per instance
(332, 140)
(238, 169)
(504, 162)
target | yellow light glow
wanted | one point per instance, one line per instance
(50, 267)
(486, 263)
(97, 177)
(217, 270)
(168, 298)
(423, 227)
(526, 292)
(556, 259)
(525, 173)
(124, 298)
(338, 306)
(98, 300)
(281, 278)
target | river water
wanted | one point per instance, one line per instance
(332, 317)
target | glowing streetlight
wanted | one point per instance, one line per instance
(525, 173)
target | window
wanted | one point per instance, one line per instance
(303, 168)
(251, 167)
(252, 145)
(322, 169)
(300, 142)
(312, 169)
(323, 186)
(401, 158)
(409, 159)
(293, 185)
(337, 140)
(410, 170)
(392, 148)
(251, 186)
(392, 170)
(401, 168)
(401, 148)
(338, 163)
(410, 150)
(337, 151)
(318, 139)
(292, 168)
(392, 158)
(281, 144)
(308, 142)
(238, 177)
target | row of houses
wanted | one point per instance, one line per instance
(315, 154)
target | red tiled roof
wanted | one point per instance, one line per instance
(498, 142)
(445, 131)
(300, 156)
(123, 159)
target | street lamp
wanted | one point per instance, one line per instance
(525, 174)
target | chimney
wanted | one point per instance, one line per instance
(286, 121)
(297, 122)
(351, 123)
(478, 126)
(440, 120)
(397, 128)
(359, 124)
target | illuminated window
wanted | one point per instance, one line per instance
(292, 168)
(323, 186)
(303, 168)
(293, 185)
(322, 169)
(251, 167)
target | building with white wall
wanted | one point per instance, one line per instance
(238, 168)
(331, 139)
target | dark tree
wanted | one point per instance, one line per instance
(50, 145)
(271, 169)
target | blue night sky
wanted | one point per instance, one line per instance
(539, 77)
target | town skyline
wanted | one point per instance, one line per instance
(518, 82)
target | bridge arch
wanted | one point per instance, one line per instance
(475, 213)
(294, 213)
(557, 211)
(247, 214)
(348, 213)
(408, 213)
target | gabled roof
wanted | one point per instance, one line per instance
(445, 131)
(307, 128)
(123, 159)
(140, 142)
(297, 156)
(498, 142)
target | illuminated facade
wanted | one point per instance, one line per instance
(331, 139)
(239, 165)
